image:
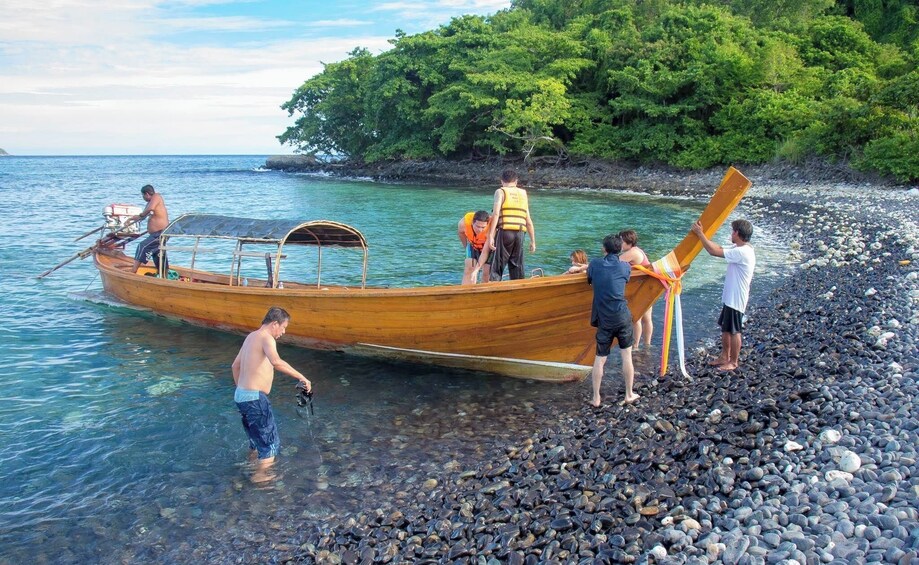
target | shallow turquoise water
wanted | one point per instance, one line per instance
(119, 426)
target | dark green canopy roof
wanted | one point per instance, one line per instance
(284, 232)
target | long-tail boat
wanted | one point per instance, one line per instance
(535, 328)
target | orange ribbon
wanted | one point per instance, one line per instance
(668, 272)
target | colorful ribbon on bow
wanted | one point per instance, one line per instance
(668, 272)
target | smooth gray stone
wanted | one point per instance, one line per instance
(787, 547)
(846, 528)
(798, 519)
(804, 544)
(893, 554)
(888, 522)
(882, 544)
(777, 557)
(734, 549)
(872, 533)
(772, 538)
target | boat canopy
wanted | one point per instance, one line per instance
(318, 233)
(282, 232)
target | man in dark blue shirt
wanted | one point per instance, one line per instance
(610, 315)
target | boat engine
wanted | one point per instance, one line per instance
(117, 215)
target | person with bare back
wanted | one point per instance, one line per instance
(253, 373)
(159, 219)
(633, 255)
(579, 262)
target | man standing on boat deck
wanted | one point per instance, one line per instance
(253, 373)
(510, 223)
(159, 219)
(611, 316)
(741, 262)
(472, 230)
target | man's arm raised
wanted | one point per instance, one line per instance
(713, 248)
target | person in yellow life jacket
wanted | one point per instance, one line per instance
(472, 230)
(511, 221)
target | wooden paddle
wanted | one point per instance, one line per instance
(108, 239)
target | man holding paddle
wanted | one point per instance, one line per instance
(159, 219)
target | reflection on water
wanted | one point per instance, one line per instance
(122, 439)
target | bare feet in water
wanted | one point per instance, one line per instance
(261, 471)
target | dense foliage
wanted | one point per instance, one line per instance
(693, 84)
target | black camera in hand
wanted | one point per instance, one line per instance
(304, 396)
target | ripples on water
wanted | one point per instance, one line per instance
(119, 426)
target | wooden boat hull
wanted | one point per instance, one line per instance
(501, 327)
(535, 328)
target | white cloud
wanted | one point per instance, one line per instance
(84, 77)
(164, 99)
(73, 21)
(432, 14)
(447, 8)
(338, 23)
(228, 23)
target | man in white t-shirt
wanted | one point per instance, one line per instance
(741, 262)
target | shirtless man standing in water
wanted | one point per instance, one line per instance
(253, 373)
(159, 219)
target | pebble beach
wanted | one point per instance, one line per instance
(805, 454)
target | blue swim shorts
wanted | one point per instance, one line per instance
(258, 421)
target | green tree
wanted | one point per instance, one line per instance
(673, 81)
(331, 109)
(692, 83)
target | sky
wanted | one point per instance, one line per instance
(148, 77)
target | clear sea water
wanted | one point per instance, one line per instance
(120, 436)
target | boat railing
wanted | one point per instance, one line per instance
(238, 255)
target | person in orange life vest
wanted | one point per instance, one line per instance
(633, 255)
(472, 231)
(510, 223)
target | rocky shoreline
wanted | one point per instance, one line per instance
(807, 454)
(584, 174)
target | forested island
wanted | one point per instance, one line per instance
(689, 84)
